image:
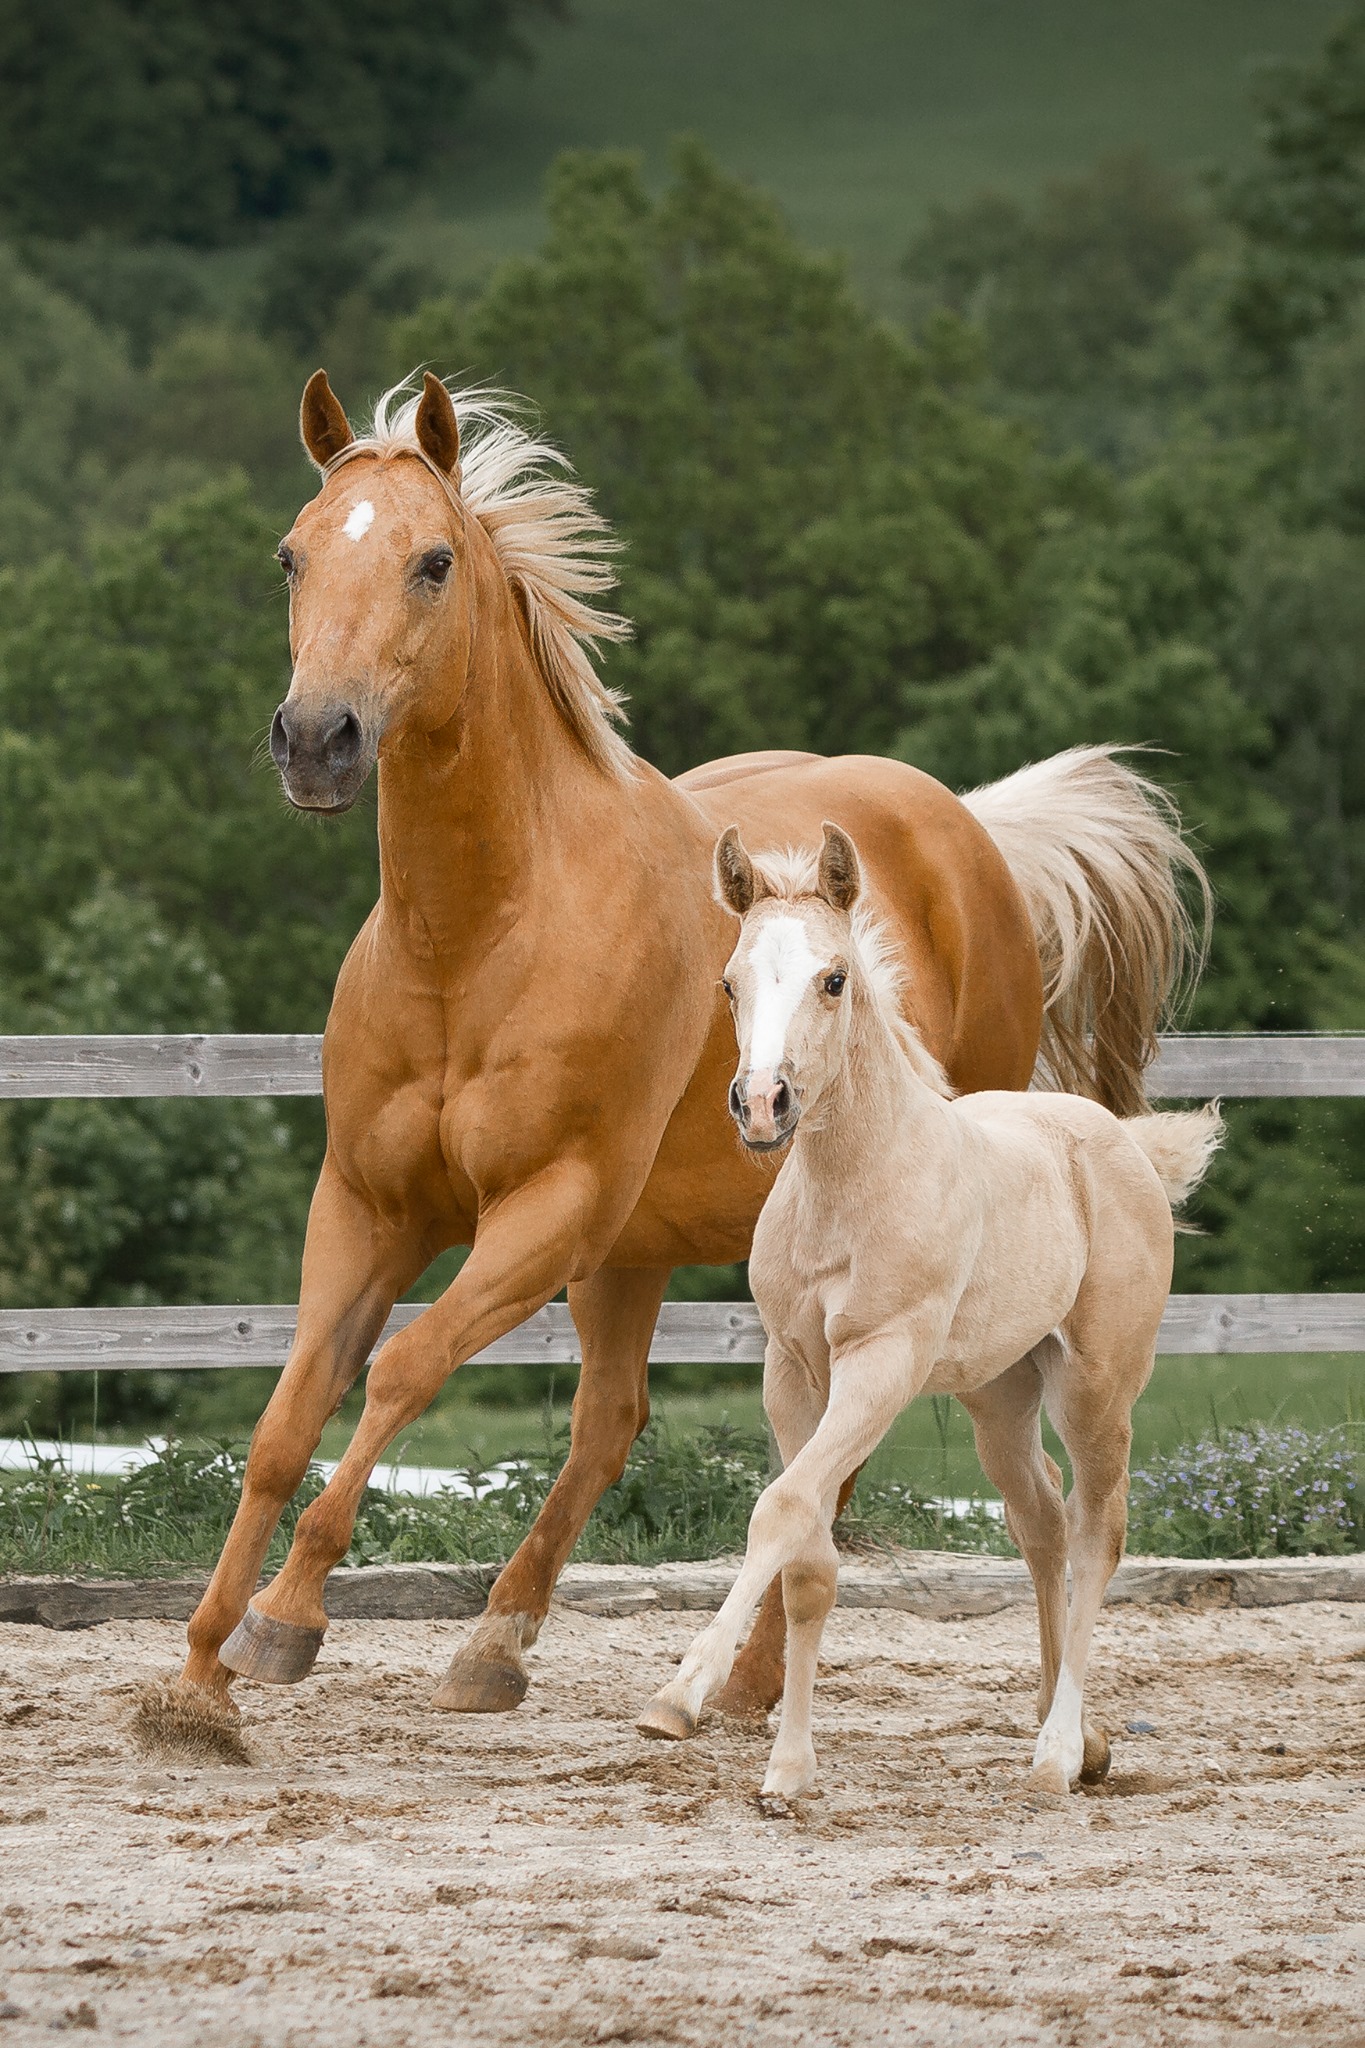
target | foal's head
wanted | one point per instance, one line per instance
(385, 566)
(788, 979)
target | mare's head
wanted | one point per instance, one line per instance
(387, 566)
(788, 979)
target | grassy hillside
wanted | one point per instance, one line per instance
(859, 115)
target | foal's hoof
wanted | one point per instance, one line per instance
(272, 1652)
(1048, 1781)
(1097, 1758)
(474, 1686)
(662, 1721)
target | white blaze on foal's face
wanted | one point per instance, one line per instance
(783, 964)
(787, 976)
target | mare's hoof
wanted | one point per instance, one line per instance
(474, 1686)
(272, 1652)
(663, 1722)
(181, 1723)
(1097, 1758)
(739, 1701)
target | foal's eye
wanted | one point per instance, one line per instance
(284, 555)
(435, 567)
(834, 984)
(729, 991)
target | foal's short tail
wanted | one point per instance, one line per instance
(1180, 1143)
(1097, 852)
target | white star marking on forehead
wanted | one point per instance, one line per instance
(359, 520)
(784, 966)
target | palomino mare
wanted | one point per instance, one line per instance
(1011, 1249)
(528, 1049)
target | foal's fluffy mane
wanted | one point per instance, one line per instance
(554, 546)
(791, 873)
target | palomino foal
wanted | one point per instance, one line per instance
(1011, 1249)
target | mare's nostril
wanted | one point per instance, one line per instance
(279, 740)
(737, 1109)
(341, 743)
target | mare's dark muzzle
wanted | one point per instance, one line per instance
(322, 754)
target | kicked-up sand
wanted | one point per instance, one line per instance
(380, 1873)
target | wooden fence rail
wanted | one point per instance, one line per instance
(1190, 1066)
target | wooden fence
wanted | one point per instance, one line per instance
(104, 1339)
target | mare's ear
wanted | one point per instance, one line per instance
(438, 430)
(839, 878)
(738, 882)
(323, 427)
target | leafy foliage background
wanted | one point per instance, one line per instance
(1107, 483)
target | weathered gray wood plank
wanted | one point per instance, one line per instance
(1193, 1065)
(1197, 1064)
(136, 1065)
(697, 1332)
(936, 1584)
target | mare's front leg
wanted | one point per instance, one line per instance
(524, 1252)
(614, 1313)
(354, 1269)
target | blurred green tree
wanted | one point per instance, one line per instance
(158, 119)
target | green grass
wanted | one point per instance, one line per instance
(1257, 1492)
(857, 116)
(927, 1449)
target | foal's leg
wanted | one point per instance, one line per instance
(353, 1272)
(808, 1585)
(1006, 1418)
(524, 1252)
(868, 1389)
(755, 1684)
(1091, 1408)
(615, 1312)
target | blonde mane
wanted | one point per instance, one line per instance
(790, 872)
(554, 546)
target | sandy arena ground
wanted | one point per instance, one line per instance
(388, 1875)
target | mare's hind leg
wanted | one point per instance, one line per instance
(1091, 1407)
(1006, 1418)
(615, 1312)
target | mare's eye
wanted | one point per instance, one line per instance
(729, 991)
(834, 984)
(284, 555)
(435, 567)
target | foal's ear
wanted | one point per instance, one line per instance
(839, 878)
(323, 427)
(738, 882)
(438, 430)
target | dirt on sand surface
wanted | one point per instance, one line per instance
(385, 1874)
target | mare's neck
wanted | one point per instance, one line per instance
(477, 815)
(875, 1100)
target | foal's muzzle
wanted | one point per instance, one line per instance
(322, 754)
(766, 1107)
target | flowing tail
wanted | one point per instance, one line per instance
(1180, 1144)
(1097, 852)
